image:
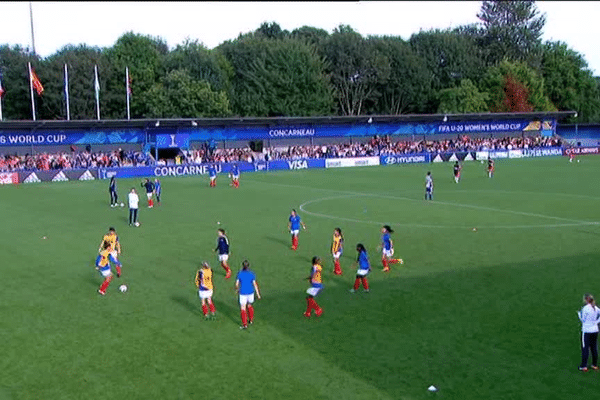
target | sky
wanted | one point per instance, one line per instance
(57, 24)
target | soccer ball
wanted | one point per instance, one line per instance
(137, 224)
(122, 204)
(123, 288)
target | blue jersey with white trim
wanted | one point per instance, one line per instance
(212, 171)
(235, 171)
(223, 245)
(246, 281)
(157, 187)
(295, 222)
(363, 261)
(387, 243)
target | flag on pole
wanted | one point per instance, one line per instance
(67, 93)
(97, 88)
(1, 94)
(128, 81)
(2, 91)
(128, 90)
(35, 81)
(31, 90)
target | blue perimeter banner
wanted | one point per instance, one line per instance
(202, 169)
(183, 135)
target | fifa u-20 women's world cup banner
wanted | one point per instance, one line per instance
(181, 137)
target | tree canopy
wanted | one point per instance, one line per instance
(499, 64)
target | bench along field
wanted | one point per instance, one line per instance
(483, 307)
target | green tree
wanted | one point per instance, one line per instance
(178, 95)
(202, 64)
(409, 81)
(463, 99)
(80, 61)
(145, 56)
(311, 35)
(356, 69)
(569, 83)
(512, 30)
(16, 103)
(277, 78)
(450, 55)
(508, 80)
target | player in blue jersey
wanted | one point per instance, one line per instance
(316, 285)
(149, 191)
(157, 190)
(235, 176)
(112, 189)
(364, 267)
(387, 248)
(246, 286)
(223, 250)
(294, 226)
(212, 173)
(428, 186)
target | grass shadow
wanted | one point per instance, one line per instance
(185, 302)
(285, 243)
(468, 331)
(227, 311)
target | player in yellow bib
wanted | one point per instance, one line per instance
(115, 248)
(204, 284)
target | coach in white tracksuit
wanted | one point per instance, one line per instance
(589, 317)
(134, 201)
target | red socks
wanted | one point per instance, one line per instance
(118, 271)
(356, 283)
(338, 268)
(244, 318)
(312, 304)
(294, 242)
(204, 309)
(150, 203)
(394, 261)
(365, 283)
(212, 308)
(105, 284)
(227, 271)
(250, 313)
(384, 261)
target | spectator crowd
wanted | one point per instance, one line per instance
(378, 145)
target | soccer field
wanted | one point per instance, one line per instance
(481, 314)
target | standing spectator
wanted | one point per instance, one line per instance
(589, 316)
(134, 201)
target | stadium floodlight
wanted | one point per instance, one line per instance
(575, 114)
(157, 124)
(370, 120)
(194, 123)
(445, 118)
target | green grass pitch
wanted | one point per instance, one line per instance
(485, 314)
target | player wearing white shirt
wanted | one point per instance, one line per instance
(134, 202)
(428, 186)
(589, 316)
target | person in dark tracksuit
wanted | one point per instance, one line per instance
(112, 188)
(589, 316)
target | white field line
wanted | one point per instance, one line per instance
(572, 222)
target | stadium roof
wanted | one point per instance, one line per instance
(273, 121)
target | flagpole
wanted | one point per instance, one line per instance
(128, 89)
(31, 22)
(31, 91)
(97, 87)
(67, 92)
